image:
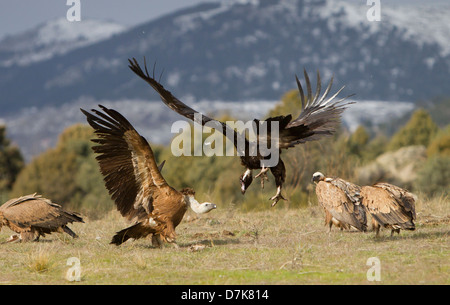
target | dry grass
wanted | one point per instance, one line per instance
(279, 246)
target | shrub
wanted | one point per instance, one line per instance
(434, 177)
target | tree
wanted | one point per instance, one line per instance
(68, 174)
(358, 141)
(419, 130)
(434, 177)
(11, 161)
(440, 144)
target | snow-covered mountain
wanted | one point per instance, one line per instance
(235, 50)
(55, 37)
(238, 50)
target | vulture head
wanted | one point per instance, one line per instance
(317, 176)
(246, 179)
(199, 208)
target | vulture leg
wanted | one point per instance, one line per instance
(13, 238)
(279, 172)
(277, 196)
(29, 236)
(328, 220)
(395, 230)
(263, 175)
(330, 224)
(156, 241)
(262, 172)
(377, 230)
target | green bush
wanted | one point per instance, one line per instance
(67, 174)
(11, 161)
(434, 177)
(419, 130)
(440, 144)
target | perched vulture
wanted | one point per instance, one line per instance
(319, 117)
(135, 182)
(33, 216)
(390, 206)
(341, 201)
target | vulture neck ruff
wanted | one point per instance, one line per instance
(199, 208)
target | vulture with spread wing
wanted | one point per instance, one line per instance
(135, 183)
(319, 117)
(390, 206)
(341, 201)
(33, 216)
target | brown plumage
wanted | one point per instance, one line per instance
(330, 221)
(134, 181)
(319, 117)
(341, 201)
(390, 206)
(33, 216)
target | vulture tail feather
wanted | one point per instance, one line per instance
(136, 231)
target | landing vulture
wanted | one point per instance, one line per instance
(390, 206)
(33, 216)
(341, 201)
(135, 183)
(319, 117)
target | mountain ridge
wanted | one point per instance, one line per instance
(243, 50)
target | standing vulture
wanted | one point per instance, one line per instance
(341, 201)
(390, 206)
(33, 216)
(319, 117)
(135, 182)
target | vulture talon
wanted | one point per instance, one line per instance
(263, 172)
(277, 198)
(263, 175)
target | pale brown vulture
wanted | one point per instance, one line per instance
(135, 183)
(33, 216)
(319, 117)
(341, 201)
(390, 206)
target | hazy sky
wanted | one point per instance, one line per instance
(20, 15)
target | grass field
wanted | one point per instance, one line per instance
(226, 246)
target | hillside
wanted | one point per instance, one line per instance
(247, 50)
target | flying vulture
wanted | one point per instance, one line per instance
(341, 201)
(33, 216)
(135, 183)
(319, 117)
(390, 206)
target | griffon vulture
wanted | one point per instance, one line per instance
(135, 182)
(341, 201)
(319, 117)
(390, 206)
(33, 216)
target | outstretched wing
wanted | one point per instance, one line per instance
(337, 202)
(127, 163)
(390, 205)
(178, 106)
(320, 115)
(35, 211)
